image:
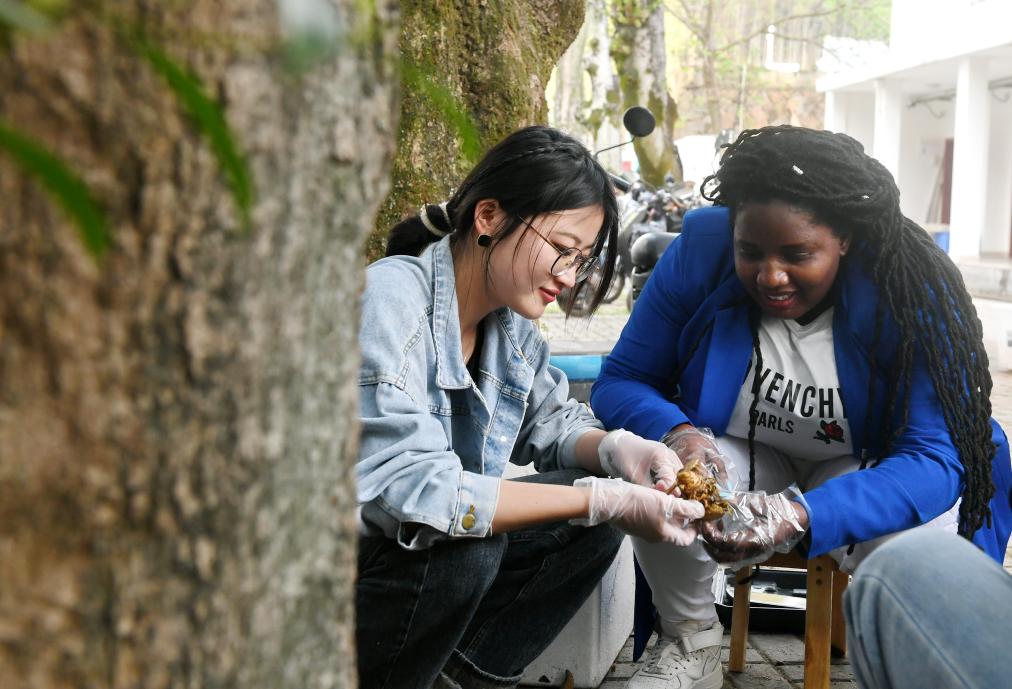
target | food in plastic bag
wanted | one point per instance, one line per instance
(696, 483)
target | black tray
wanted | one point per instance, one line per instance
(768, 617)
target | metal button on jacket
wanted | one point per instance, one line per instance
(468, 520)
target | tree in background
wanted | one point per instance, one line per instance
(586, 98)
(473, 72)
(178, 409)
(566, 105)
(720, 66)
(640, 54)
(711, 55)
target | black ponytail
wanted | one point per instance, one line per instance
(411, 235)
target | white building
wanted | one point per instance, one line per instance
(936, 109)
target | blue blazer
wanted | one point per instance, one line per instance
(684, 354)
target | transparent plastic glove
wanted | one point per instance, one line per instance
(650, 514)
(638, 460)
(698, 443)
(757, 526)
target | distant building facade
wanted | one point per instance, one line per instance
(936, 109)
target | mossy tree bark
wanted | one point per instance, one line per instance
(568, 97)
(494, 59)
(586, 97)
(639, 52)
(177, 419)
(602, 110)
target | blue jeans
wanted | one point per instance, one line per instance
(473, 612)
(928, 610)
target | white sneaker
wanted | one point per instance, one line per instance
(687, 662)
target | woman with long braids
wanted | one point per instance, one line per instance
(465, 578)
(832, 352)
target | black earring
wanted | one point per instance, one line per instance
(484, 241)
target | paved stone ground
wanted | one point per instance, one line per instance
(773, 661)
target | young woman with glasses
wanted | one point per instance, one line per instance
(464, 578)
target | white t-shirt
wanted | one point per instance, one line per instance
(800, 410)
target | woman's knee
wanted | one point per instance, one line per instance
(598, 547)
(456, 572)
(466, 568)
(927, 553)
(607, 539)
(919, 562)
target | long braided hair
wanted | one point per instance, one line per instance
(829, 176)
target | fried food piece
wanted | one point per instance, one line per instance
(696, 484)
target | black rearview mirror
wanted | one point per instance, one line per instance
(638, 121)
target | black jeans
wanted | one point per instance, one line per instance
(476, 610)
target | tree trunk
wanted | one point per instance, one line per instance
(710, 88)
(602, 112)
(566, 85)
(494, 60)
(640, 56)
(177, 419)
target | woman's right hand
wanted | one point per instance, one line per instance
(689, 443)
(648, 513)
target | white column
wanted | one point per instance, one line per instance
(969, 158)
(835, 117)
(888, 121)
(999, 183)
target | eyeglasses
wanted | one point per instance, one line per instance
(569, 257)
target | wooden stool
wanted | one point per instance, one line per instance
(824, 623)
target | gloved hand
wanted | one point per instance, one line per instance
(757, 526)
(650, 514)
(698, 443)
(637, 460)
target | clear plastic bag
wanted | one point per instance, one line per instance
(756, 525)
(700, 444)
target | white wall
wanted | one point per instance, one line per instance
(922, 147)
(937, 30)
(934, 29)
(998, 217)
(854, 114)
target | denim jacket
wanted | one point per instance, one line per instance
(434, 442)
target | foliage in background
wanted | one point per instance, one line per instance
(638, 49)
(715, 76)
(208, 119)
(22, 16)
(33, 20)
(718, 53)
(62, 184)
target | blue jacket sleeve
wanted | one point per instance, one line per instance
(920, 479)
(629, 392)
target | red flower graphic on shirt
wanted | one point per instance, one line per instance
(831, 432)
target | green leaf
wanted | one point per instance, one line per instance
(209, 120)
(303, 52)
(22, 17)
(422, 82)
(63, 185)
